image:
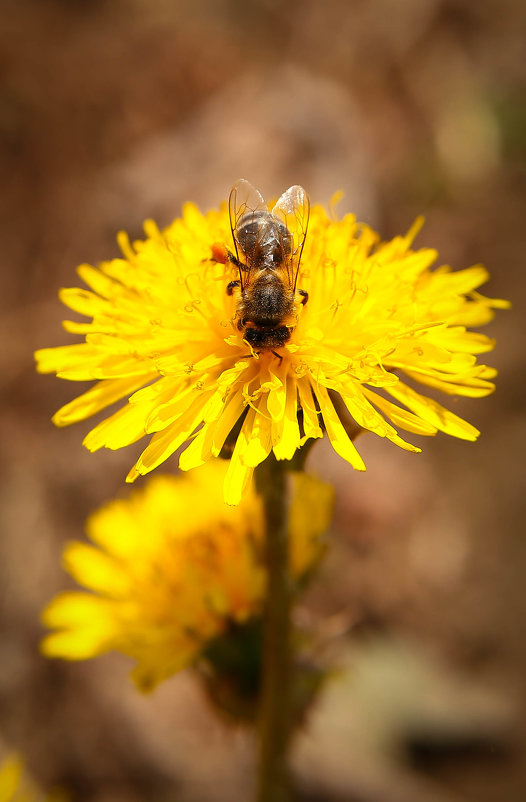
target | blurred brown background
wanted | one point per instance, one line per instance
(111, 112)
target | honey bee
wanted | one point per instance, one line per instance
(268, 248)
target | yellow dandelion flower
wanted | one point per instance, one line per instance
(172, 568)
(164, 334)
(17, 786)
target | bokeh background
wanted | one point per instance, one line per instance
(118, 110)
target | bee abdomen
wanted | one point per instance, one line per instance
(267, 338)
(269, 303)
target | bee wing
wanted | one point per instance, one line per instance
(244, 198)
(293, 209)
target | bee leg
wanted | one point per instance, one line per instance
(305, 296)
(221, 254)
(235, 261)
(231, 285)
(278, 356)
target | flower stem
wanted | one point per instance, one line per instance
(275, 705)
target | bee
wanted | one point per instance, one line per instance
(268, 247)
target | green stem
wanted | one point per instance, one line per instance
(276, 707)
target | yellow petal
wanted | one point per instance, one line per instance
(163, 444)
(100, 283)
(92, 627)
(103, 394)
(60, 359)
(400, 417)
(259, 444)
(286, 435)
(236, 481)
(363, 412)
(124, 427)
(210, 439)
(165, 413)
(233, 410)
(84, 302)
(238, 474)
(311, 425)
(337, 435)
(473, 387)
(96, 570)
(434, 413)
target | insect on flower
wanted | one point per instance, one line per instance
(268, 247)
(378, 319)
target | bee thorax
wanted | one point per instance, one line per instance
(265, 240)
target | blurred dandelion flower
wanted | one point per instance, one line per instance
(173, 568)
(16, 786)
(163, 335)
